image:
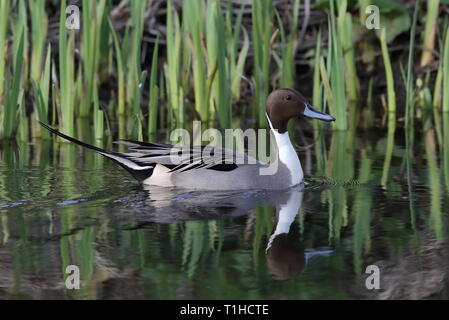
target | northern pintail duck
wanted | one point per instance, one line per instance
(221, 169)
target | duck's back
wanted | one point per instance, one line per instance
(249, 176)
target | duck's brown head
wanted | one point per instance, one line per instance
(284, 104)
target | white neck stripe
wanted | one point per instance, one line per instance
(287, 154)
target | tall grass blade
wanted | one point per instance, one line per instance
(362, 213)
(391, 107)
(4, 19)
(429, 32)
(12, 99)
(173, 67)
(445, 65)
(194, 25)
(66, 75)
(221, 87)
(237, 61)
(42, 92)
(134, 71)
(289, 44)
(445, 149)
(262, 16)
(409, 113)
(93, 11)
(336, 73)
(39, 26)
(345, 32)
(153, 93)
(409, 108)
(435, 184)
(120, 71)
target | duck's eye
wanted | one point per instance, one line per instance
(289, 97)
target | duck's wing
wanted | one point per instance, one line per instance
(182, 158)
(141, 161)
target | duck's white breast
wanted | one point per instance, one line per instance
(289, 157)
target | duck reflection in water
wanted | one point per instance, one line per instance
(285, 258)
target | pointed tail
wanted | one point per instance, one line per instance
(138, 170)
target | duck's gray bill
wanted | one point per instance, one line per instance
(310, 112)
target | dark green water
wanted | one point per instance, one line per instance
(61, 205)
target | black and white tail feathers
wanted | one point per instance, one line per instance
(140, 171)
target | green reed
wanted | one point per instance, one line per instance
(340, 166)
(445, 71)
(236, 60)
(317, 103)
(368, 112)
(391, 94)
(436, 103)
(362, 209)
(205, 61)
(4, 19)
(39, 26)
(445, 149)
(328, 93)
(153, 93)
(289, 44)
(262, 230)
(220, 94)
(409, 107)
(193, 13)
(93, 15)
(133, 70)
(333, 75)
(409, 113)
(437, 88)
(434, 182)
(66, 75)
(121, 98)
(19, 27)
(13, 90)
(344, 25)
(98, 114)
(216, 83)
(22, 123)
(362, 11)
(129, 74)
(389, 149)
(13, 113)
(41, 90)
(262, 17)
(175, 92)
(429, 32)
(69, 245)
(194, 245)
(5, 229)
(367, 49)
(317, 88)
(136, 120)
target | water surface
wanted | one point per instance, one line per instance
(61, 205)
